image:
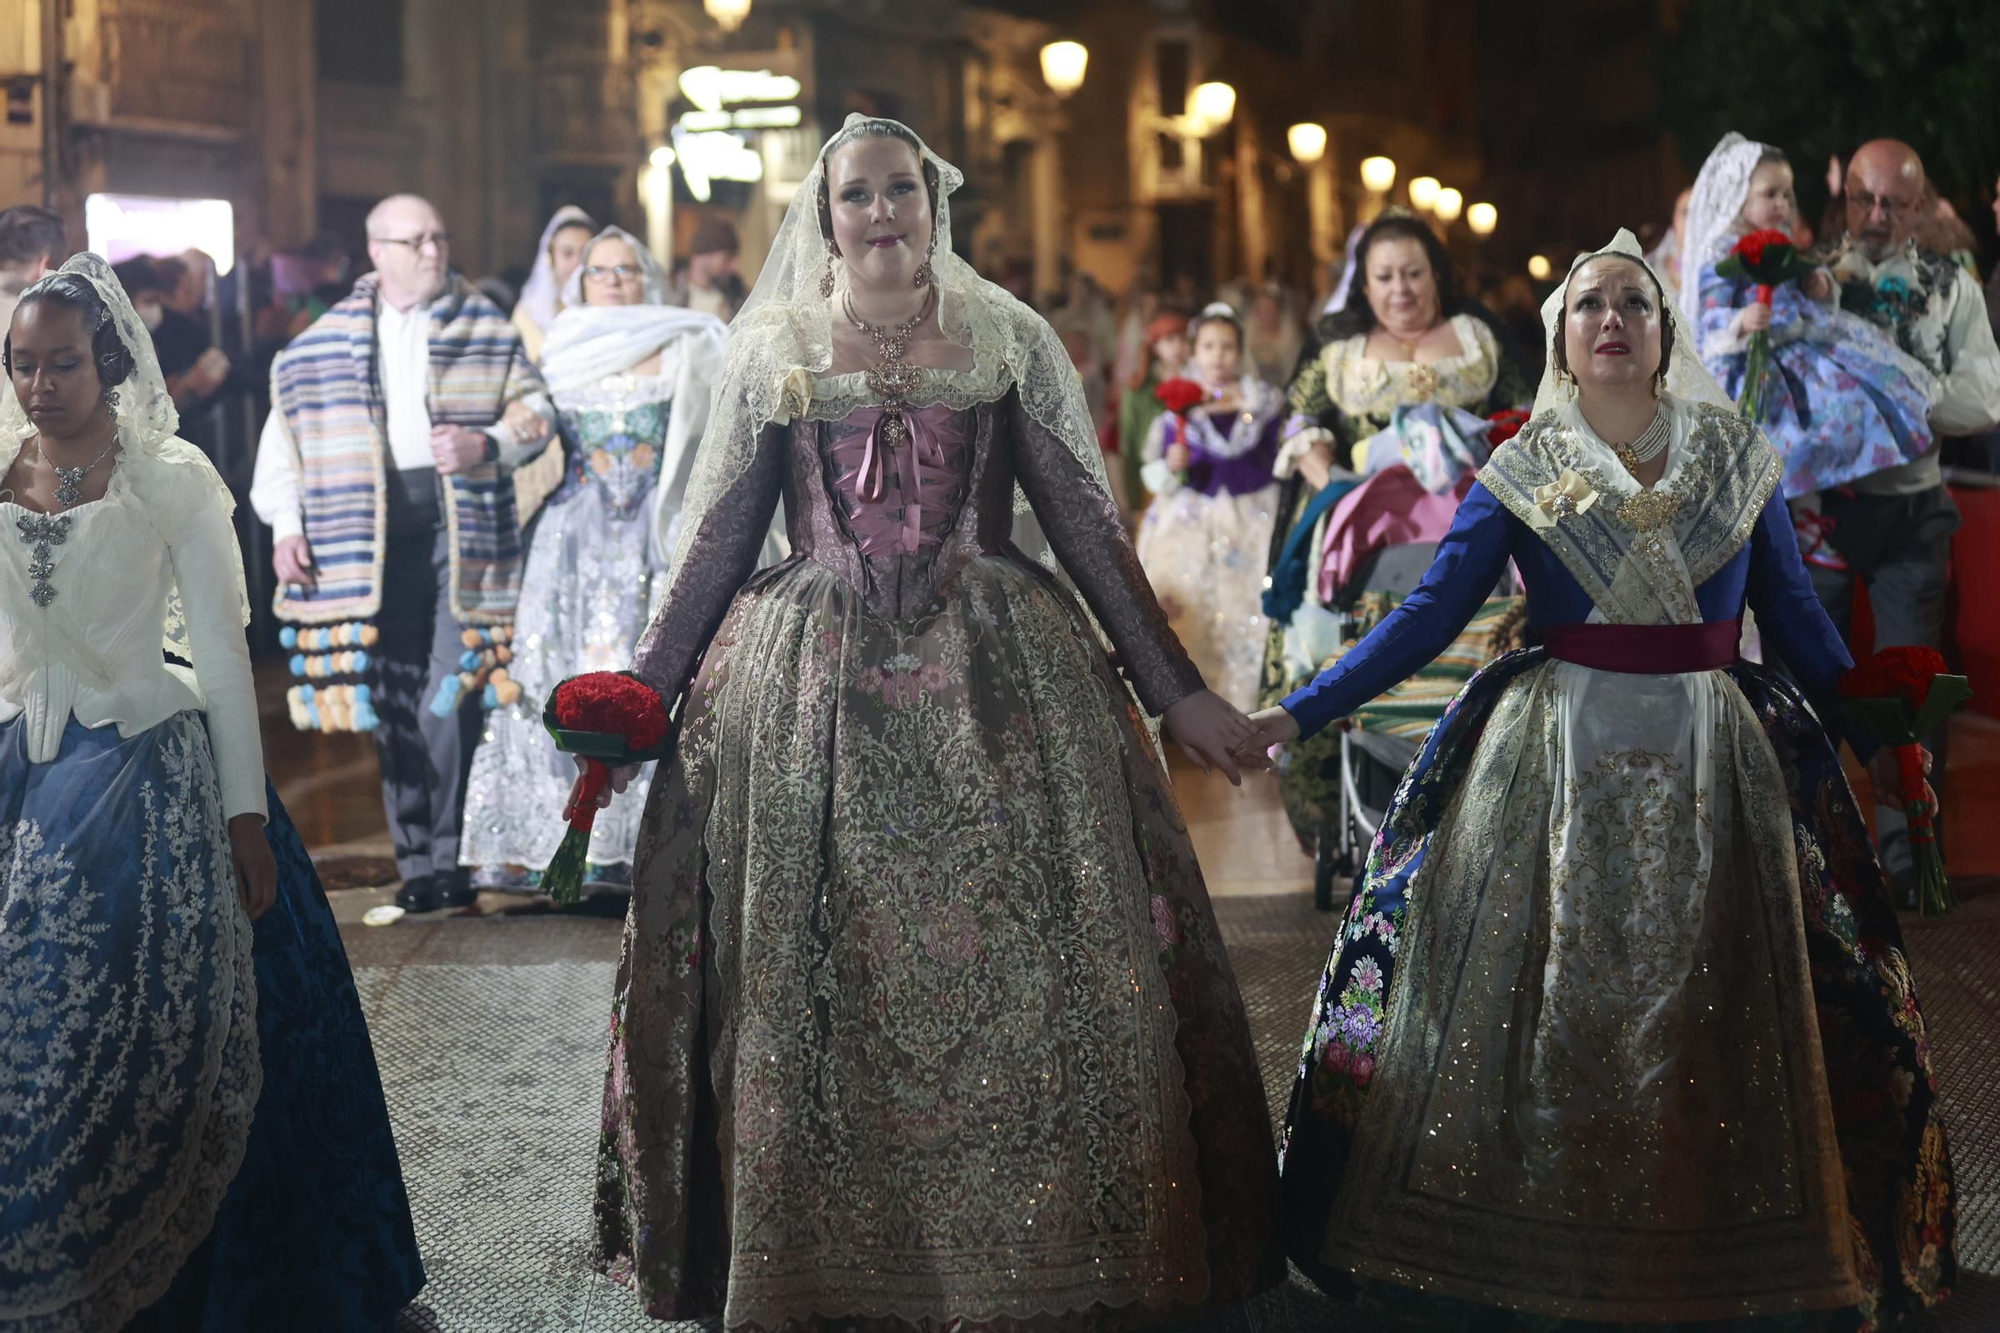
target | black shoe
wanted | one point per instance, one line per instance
(418, 895)
(455, 888)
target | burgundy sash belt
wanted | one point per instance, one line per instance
(1646, 650)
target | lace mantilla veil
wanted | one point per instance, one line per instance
(1687, 378)
(147, 420)
(783, 336)
(1719, 192)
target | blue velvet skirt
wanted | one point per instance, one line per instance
(192, 1129)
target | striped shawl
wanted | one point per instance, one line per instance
(328, 385)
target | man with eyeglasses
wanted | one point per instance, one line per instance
(1893, 528)
(385, 473)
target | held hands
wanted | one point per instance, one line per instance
(525, 423)
(292, 562)
(1316, 466)
(457, 448)
(621, 778)
(256, 868)
(1273, 726)
(1210, 731)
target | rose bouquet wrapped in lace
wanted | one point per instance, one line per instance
(609, 718)
(1767, 258)
(1896, 697)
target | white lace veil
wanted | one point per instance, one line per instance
(587, 342)
(1687, 379)
(145, 412)
(1717, 201)
(783, 336)
(541, 295)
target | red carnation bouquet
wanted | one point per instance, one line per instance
(1767, 258)
(1896, 697)
(1506, 424)
(612, 719)
(1179, 397)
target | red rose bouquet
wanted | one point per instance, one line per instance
(609, 718)
(1179, 397)
(1505, 425)
(1896, 697)
(1767, 258)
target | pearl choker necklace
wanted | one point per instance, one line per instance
(1650, 444)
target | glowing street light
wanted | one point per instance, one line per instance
(1213, 104)
(1482, 218)
(1378, 173)
(661, 158)
(1307, 142)
(1063, 64)
(728, 14)
(1448, 204)
(1538, 268)
(1423, 192)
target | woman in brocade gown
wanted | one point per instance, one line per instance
(631, 377)
(1204, 537)
(923, 1020)
(192, 1132)
(1405, 338)
(1619, 1029)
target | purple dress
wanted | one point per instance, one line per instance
(923, 1019)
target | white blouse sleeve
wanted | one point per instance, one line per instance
(206, 566)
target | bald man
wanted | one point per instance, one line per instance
(1893, 528)
(385, 473)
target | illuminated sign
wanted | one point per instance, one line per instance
(124, 226)
(744, 118)
(711, 88)
(715, 155)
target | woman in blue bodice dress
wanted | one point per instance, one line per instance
(630, 376)
(1839, 400)
(192, 1130)
(1619, 1029)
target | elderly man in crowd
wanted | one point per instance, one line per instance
(1893, 528)
(384, 472)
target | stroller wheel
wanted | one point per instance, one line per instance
(1331, 862)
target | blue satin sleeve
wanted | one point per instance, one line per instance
(1791, 619)
(1470, 561)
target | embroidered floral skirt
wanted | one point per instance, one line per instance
(1620, 1030)
(192, 1131)
(923, 1019)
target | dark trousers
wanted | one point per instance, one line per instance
(1899, 545)
(424, 758)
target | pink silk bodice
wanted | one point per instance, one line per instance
(901, 524)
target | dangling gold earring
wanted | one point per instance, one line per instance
(925, 274)
(826, 278)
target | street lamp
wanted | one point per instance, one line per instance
(1482, 218)
(1448, 204)
(1378, 173)
(1423, 192)
(1307, 142)
(1538, 268)
(1213, 104)
(1063, 64)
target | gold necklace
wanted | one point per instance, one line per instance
(892, 378)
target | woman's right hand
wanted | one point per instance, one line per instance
(621, 778)
(1316, 466)
(1753, 318)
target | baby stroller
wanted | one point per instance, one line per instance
(1378, 741)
